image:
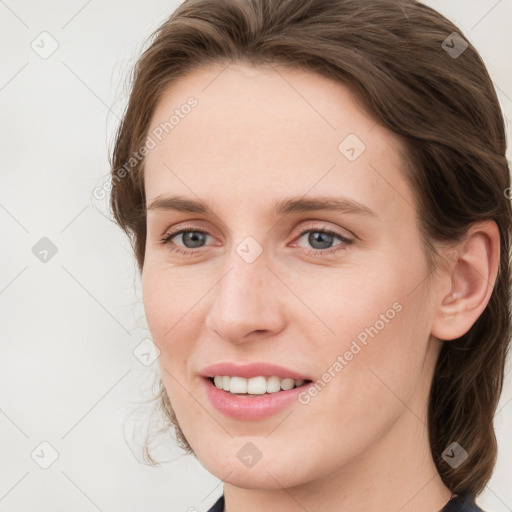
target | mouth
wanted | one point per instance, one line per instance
(252, 390)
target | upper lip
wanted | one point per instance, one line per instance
(254, 369)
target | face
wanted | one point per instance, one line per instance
(337, 295)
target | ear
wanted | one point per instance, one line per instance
(470, 280)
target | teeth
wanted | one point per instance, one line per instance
(287, 384)
(273, 384)
(255, 385)
(237, 385)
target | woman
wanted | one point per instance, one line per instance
(316, 194)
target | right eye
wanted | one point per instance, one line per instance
(191, 238)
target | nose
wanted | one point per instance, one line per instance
(247, 303)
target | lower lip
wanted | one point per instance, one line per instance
(249, 408)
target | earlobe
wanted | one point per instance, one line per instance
(471, 278)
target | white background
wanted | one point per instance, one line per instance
(68, 327)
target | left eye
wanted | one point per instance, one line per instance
(320, 239)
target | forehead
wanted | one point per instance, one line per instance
(260, 132)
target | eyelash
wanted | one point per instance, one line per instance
(166, 240)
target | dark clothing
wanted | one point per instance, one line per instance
(461, 504)
(219, 505)
(457, 504)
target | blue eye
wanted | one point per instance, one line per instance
(323, 238)
(188, 235)
(320, 239)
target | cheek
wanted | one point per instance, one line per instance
(370, 365)
(374, 330)
(172, 310)
(365, 386)
(171, 298)
(346, 304)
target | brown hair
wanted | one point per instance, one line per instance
(444, 107)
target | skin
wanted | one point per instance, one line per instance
(262, 134)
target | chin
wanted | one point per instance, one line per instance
(268, 473)
(273, 479)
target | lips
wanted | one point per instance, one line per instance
(254, 369)
(250, 408)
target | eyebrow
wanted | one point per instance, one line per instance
(282, 206)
